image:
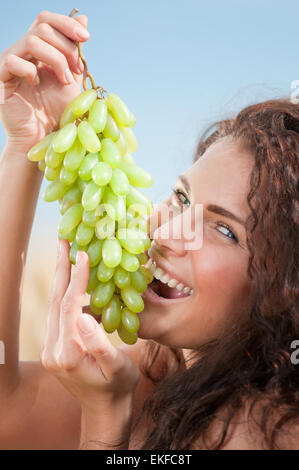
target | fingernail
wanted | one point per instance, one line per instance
(58, 246)
(68, 76)
(78, 258)
(37, 80)
(82, 33)
(86, 323)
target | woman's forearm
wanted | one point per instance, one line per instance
(107, 430)
(20, 182)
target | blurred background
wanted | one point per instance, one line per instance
(179, 66)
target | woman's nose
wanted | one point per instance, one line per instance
(165, 228)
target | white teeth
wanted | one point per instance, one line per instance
(172, 283)
(159, 274)
(164, 279)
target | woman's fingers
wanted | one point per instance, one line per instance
(51, 41)
(72, 303)
(66, 25)
(17, 67)
(98, 345)
(59, 288)
(60, 42)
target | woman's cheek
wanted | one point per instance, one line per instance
(220, 275)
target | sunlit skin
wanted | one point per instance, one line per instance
(218, 270)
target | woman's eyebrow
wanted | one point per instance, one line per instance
(212, 207)
(221, 211)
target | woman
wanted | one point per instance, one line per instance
(213, 363)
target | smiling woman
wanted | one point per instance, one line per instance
(237, 387)
(212, 366)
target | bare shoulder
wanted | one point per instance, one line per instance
(245, 433)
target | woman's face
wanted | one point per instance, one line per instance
(216, 271)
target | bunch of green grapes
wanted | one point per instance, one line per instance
(94, 177)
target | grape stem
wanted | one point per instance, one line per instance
(86, 73)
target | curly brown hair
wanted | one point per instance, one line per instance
(252, 361)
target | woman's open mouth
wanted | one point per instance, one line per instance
(164, 287)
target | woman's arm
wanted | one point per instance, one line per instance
(20, 184)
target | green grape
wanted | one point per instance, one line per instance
(111, 130)
(70, 237)
(88, 137)
(94, 252)
(103, 293)
(83, 102)
(52, 173)
(38, 152)
(72, 196)
(105, 227)
(130, 320)
(89, 218)
(85, 170)
(82, 184)
(125, 336)
(130, 139)
(129, 262)
(95, 310)
(54, 191)
(73, 252)
(138, 223)
(104, 273)
(70, 219)
(92, 280)
(114, 205)
(111, 314)
(110, 153)
(67, 177)
(142, 258)
(41, 165)
(98, 115)
(131, 240)
(132, 299)
(84, 234)
(138, 281)
(136, 175)
(93, 176)
(121, 144)
(92, 196)
(65, 138)
(53, 159)
(112, 252)
(121, 277)
(68, 116)
(142, 203)
(147, 274)
(119, 182)
(119, 110)
(74, 156)
(101, 173)
(128, 158)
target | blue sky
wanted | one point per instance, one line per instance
(178, 65)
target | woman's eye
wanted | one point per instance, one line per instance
(227, 232)
(181, 198)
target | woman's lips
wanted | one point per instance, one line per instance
(174, 298)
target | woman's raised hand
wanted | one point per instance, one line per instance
(39, 75)
(77, 349)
